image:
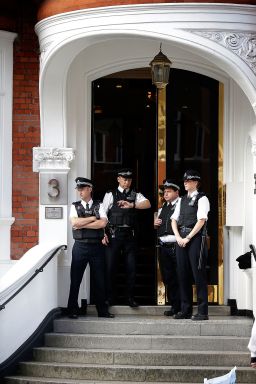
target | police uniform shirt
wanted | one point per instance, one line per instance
(202, 209)
(109, 199)
(73, 212)
(168, 238)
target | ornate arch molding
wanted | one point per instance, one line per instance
(241, 44)
(191, 27)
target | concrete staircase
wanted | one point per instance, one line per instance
(140, 345)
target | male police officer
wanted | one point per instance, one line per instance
(188, 223)
(167, 243)
(88, 220)
(121, 205)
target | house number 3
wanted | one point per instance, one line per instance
(53, 188)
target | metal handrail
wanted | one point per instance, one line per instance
(253, 250)
(38, 270)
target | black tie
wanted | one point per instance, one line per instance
(87, 206)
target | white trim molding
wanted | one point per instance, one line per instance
(241, 44)
(6, 84)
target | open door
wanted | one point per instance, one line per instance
(158, 136)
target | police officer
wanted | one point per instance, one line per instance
(189, 224)
(88, 220)
(167, 245)
(121, 206)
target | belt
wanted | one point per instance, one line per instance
(167, 245)
(185, 229)
(90, 241)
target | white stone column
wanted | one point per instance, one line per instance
(53, 166)
(6, 82)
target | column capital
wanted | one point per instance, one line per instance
(52, 159)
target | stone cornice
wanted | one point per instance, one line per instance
(52, 159)
(241, 44)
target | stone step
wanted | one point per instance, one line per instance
(35, 380)
(157, 310)
(132, 373)
(142, 357)
(146, 342)
(133, 325)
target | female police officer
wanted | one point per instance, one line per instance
(188, 223)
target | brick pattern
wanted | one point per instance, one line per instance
(53, 7)
(26, 135)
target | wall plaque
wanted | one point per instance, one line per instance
(53, 212)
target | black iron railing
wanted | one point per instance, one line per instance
(38, 270)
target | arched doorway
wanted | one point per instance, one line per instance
(124, 124)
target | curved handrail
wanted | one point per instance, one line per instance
(38, 270)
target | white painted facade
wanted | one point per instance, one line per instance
(218, 41)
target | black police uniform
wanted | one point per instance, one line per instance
(191, 259)
(122, 238)
(88, 248)
(167, 259)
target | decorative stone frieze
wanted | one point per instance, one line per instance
(52, 159)
(241, 44)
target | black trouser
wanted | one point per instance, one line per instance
(123, 244)
(82, 254)
(168, 268)
(187, 263)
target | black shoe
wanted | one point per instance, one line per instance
(132, 303)
(199, 317)
(182, 315)
(107, 315)
(73, 315)
(171, 312)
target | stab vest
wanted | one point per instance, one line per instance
(120, 217)
(84, 233)
(166, 228)
(188, 210)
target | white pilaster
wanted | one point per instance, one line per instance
(53, 164)
(6, 81)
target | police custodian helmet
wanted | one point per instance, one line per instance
(191, 174)
(168, 183)
(125, 172)
(82, 182)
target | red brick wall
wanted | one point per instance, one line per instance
(52, 7)
(26, 135)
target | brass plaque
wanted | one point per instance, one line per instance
(53, 212)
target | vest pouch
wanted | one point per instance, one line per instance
(116, 219)
(130, 219)
(77, 234)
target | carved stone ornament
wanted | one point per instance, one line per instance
(52, 158)
(241, 44)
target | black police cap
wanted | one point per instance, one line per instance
(191, 174)
(125, 172)
(82, 182)
(168, 183)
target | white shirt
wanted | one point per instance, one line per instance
(168, 238)
(73, 212)
(109, 199)
(202, 210)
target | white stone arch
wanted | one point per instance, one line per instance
(63, 37)
(78, 47)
